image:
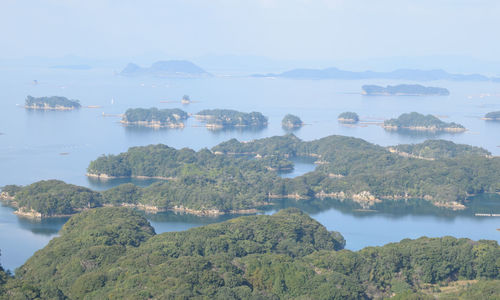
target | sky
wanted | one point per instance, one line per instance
(277, 29)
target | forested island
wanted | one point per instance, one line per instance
(492, 116)
(222, 118)
(51, 103)
(154, 117)
(242, 177)
(168, 68)
(348, 117)
(291, 121)
(416, 121)
(115, 253)
(403, 90)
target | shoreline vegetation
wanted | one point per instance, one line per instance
(348, 117)
(51, 103)
(115, 253)
(155, 118)
(291, 122)
(403, 90)
(419, 122)
(226, 118)
(242, 177)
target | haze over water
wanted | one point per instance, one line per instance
(38, 145)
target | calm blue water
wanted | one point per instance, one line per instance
(37, 145)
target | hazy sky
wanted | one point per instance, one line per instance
(284, 29)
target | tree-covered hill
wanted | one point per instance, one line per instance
(242, 177)
(114, 253)
(220, 118)
(54, 102)
(417, 121)
(154, 117)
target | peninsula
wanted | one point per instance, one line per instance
(403, 90)
(242, 177)
(416, 121)
(291, 122)
(155, 118)
(492, 116)
(222, 118)
(348, 117)
(51, 103)
(168, 69)
(115, 253)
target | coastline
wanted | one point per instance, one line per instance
(424, 128)
(47, 107)
(153, 124)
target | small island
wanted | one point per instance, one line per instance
(291, 122)
(167, 69)
(348, 117)
(51, 103)
(420, 122)
(185, 99)
(155, 118)
(223, 118)
(492, 116)
(403, 90)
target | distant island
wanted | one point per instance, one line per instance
(169, 68)
(51, 103)
(403, 90)
(492, 116)
(291, 122)
(185, 99)
(416, 121)
(155, 118)
(400, 74)
(348, 117)
(222, 118)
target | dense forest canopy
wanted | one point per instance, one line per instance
(417, 120)
(436, 149)
(51, 102)
(348, 117)
(114, 253)
(162, 116)
(236, 177)
(228, 118)
(404, 90)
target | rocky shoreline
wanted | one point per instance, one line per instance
(153, 124)
(424, 128)
(48, 107)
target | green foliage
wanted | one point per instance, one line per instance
(164, 117)
(229, 118)
(437, 149)
(114, 253)
(414, 119)
(54, 197)
(404, 89)
(348, 117)
(51, 102)
(291, 121)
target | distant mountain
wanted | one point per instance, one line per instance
(404, 90)
(169, 68)
(403, 74)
